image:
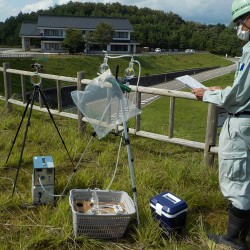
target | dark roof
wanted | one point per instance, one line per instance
(85, 23)
(29, 29)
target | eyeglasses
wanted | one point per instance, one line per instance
(242, 21)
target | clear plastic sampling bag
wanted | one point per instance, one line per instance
(103, 104)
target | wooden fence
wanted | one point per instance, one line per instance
(209, 146)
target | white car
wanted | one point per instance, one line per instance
(189, 51)
(157, 50)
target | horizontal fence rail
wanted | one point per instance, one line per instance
(209, 146)
(33, 54)
(27, 55)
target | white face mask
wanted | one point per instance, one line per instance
(243, 35)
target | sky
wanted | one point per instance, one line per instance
(203, 11)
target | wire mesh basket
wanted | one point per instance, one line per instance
(102, 226)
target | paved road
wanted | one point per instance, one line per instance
(201, 77)
(9, 51)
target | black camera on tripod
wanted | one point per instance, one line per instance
(36, 66)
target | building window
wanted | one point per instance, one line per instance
(121, 35)
(52, 46)
(53, 33)
(119, 47)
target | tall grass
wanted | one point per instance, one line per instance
(158, 167)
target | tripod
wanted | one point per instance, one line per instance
(36, 81)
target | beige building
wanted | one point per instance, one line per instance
(51, 30)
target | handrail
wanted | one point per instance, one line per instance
(156, 91)
(46, 76)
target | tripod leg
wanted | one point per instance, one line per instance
(24, 139)
(45, 102)
(130, 160)
(131, 169)
(20, 124)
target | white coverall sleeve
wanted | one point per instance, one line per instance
(236, 97)
(217, 97)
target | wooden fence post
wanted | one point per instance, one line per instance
(80, 77)
(171, 117)
(23, 89)
(59, 95)
(41, 104)
(211, 133)
(7, 86)
(138, 105)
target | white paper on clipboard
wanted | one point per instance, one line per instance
(190, 82)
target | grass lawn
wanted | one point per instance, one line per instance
(158, 167)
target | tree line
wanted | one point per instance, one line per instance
(152, 28)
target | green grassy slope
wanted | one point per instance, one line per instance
(70, 65)
(158, 167)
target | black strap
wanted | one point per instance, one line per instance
(240, 113)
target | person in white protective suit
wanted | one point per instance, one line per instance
(234, 141)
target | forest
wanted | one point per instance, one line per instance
(152, 28)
